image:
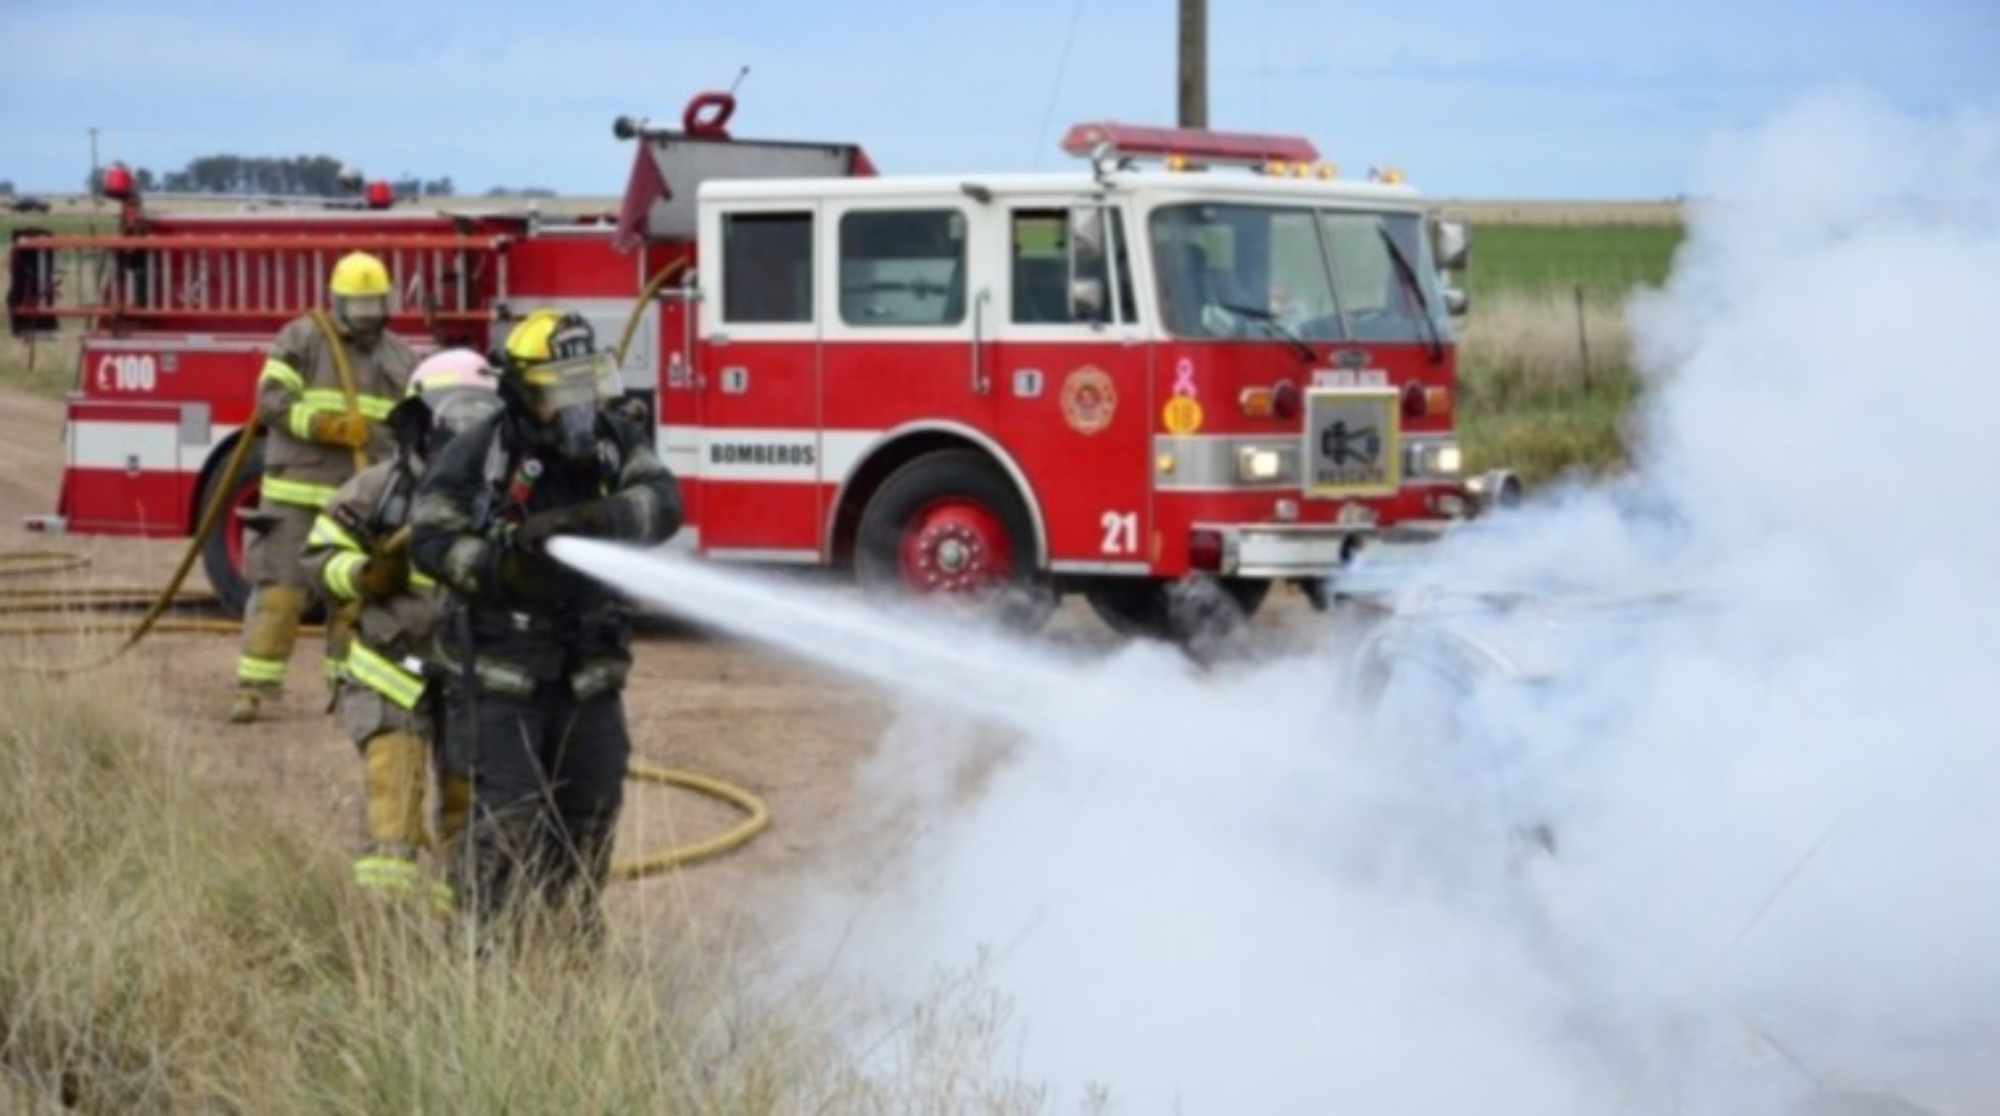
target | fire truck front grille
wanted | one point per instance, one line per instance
(1352, 443)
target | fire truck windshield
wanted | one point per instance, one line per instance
(1232, 271)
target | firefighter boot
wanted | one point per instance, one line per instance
(270, 627)
(396, 763)
(454, 807)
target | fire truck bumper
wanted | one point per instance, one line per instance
(1296, 551)
(1317, 550)
(45, 524)
(1276, 550)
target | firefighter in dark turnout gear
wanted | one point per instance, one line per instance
(536, 665)
(358, 553)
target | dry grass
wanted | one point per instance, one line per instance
(163, 949)
(45, 366)
(1547, 384)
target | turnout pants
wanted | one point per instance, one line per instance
(548, 779)
(280, 592)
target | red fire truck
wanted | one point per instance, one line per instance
(1200, 359)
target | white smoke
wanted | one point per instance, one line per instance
(1693, 807)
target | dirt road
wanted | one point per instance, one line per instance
(791, 733)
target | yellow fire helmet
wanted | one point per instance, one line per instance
(547, 335)
(559, 375)
(359, 275)
(360, 289)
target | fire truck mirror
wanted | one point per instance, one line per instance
(1088, 236)
(1086, 232)
(1453, 245)
(1456, 302)
(1086, 300)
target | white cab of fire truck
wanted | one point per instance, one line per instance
(1200, 361)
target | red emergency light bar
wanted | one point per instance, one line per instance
(1196, 145)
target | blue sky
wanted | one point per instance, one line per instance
(1561, 99)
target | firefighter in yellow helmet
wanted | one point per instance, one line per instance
(328, 382)
(359, 552)
(536, 657)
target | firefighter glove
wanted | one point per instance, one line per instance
(591, 521)
(385, 575)
(342, 428)
(524, 576)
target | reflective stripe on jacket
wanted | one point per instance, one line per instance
(393, 638)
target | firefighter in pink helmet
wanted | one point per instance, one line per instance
(358, 554)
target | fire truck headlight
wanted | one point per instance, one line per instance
(1254, 464)
(1435, 460)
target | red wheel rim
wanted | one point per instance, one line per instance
(955, 546)
(234, 537)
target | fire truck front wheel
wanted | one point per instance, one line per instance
(949, 526)
(1188, 611)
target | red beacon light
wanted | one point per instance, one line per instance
(378, 195)
(118, 183)
(1186, 147)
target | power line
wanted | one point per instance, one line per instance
(1055, 90)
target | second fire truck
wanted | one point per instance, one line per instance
(1199, 364)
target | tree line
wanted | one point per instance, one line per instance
(297, 176)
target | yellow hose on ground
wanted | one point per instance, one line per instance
(756, 817)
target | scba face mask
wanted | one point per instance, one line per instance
(563, 397)
(362, 315)
(456, 412)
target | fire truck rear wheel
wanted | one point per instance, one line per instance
(950, 526)
(1185, 611)
(222, 551)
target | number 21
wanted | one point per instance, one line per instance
(1121, 532)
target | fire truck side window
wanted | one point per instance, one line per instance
(1040, 261)
(767, 267)
(902, 267)
(1041, 264)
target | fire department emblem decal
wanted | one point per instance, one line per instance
(1088, 400)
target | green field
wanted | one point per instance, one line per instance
(1603, 260)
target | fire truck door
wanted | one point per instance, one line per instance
(758, 455)
(1071, 382)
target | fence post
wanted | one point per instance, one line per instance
(1582, 335)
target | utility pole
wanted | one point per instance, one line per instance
(1194, 64)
